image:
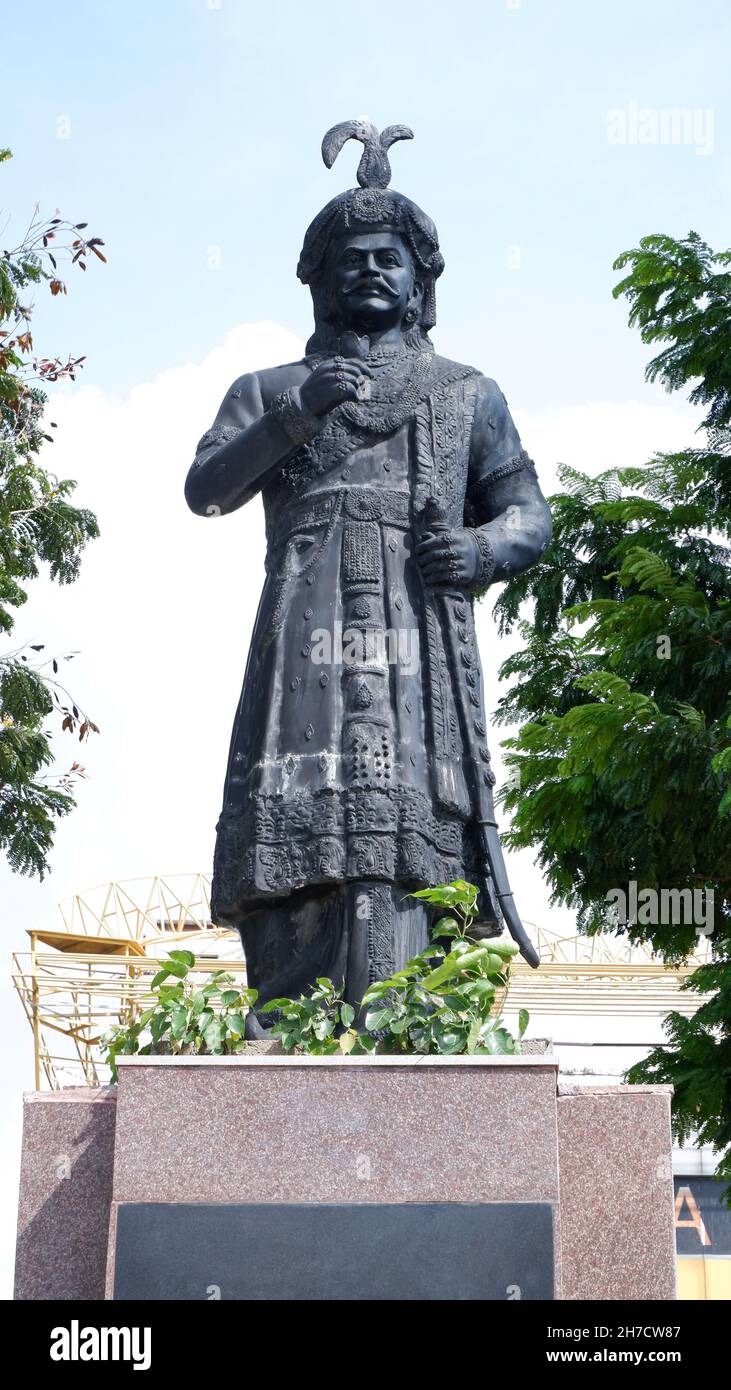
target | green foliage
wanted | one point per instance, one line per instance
(185, 1017)
(696, 1062)
(309, 1024)
(622, 765)
(442, 1002)
(39, 527)
(680, 294)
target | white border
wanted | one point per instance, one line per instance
(282, 1060)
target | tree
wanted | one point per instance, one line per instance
(622, 766)
(39, 526)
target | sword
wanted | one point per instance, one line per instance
(435, 523)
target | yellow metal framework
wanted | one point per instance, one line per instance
(90, 968)
(602, 975)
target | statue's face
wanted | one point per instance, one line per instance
(372, 280)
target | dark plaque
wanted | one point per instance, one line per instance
(304, 1251)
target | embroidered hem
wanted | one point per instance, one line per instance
(274, 845)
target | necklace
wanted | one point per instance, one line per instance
(387, 354)
(377, 356)
(393, 396)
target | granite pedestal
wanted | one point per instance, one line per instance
(548, 1191)
(65, 1193)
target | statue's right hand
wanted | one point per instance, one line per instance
(334, 380)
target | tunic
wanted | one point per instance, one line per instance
(359, 745)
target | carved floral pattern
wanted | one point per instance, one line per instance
(276, 845)
(366, 824)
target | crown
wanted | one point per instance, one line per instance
(374, 169)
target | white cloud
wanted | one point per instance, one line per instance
(163, 610)
(162, 615)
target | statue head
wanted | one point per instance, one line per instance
(371, 257)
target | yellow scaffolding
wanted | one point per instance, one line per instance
(90, 968)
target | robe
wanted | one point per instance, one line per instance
(359, 749)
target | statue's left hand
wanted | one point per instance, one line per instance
(448, 557)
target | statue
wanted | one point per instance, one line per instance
(395, 488)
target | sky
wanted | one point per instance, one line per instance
(187, 134)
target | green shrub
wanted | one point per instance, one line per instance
(185, 1017)
(442, 1001)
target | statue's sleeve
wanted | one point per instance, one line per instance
(496, 451)
(504, 504)
(241, 406)
(235, 456)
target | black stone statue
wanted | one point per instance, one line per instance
(395, 488)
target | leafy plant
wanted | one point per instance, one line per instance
(308, 1024)
(186, 1017)
(696, 1062)
(442, 1002)
(622, 764)
(39, 526)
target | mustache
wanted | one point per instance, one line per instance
(379, 285)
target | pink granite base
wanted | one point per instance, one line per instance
(276, 1131)
(65, 1194)
(616, 1192)
(281, 1129)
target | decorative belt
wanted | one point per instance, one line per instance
(388, 505)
